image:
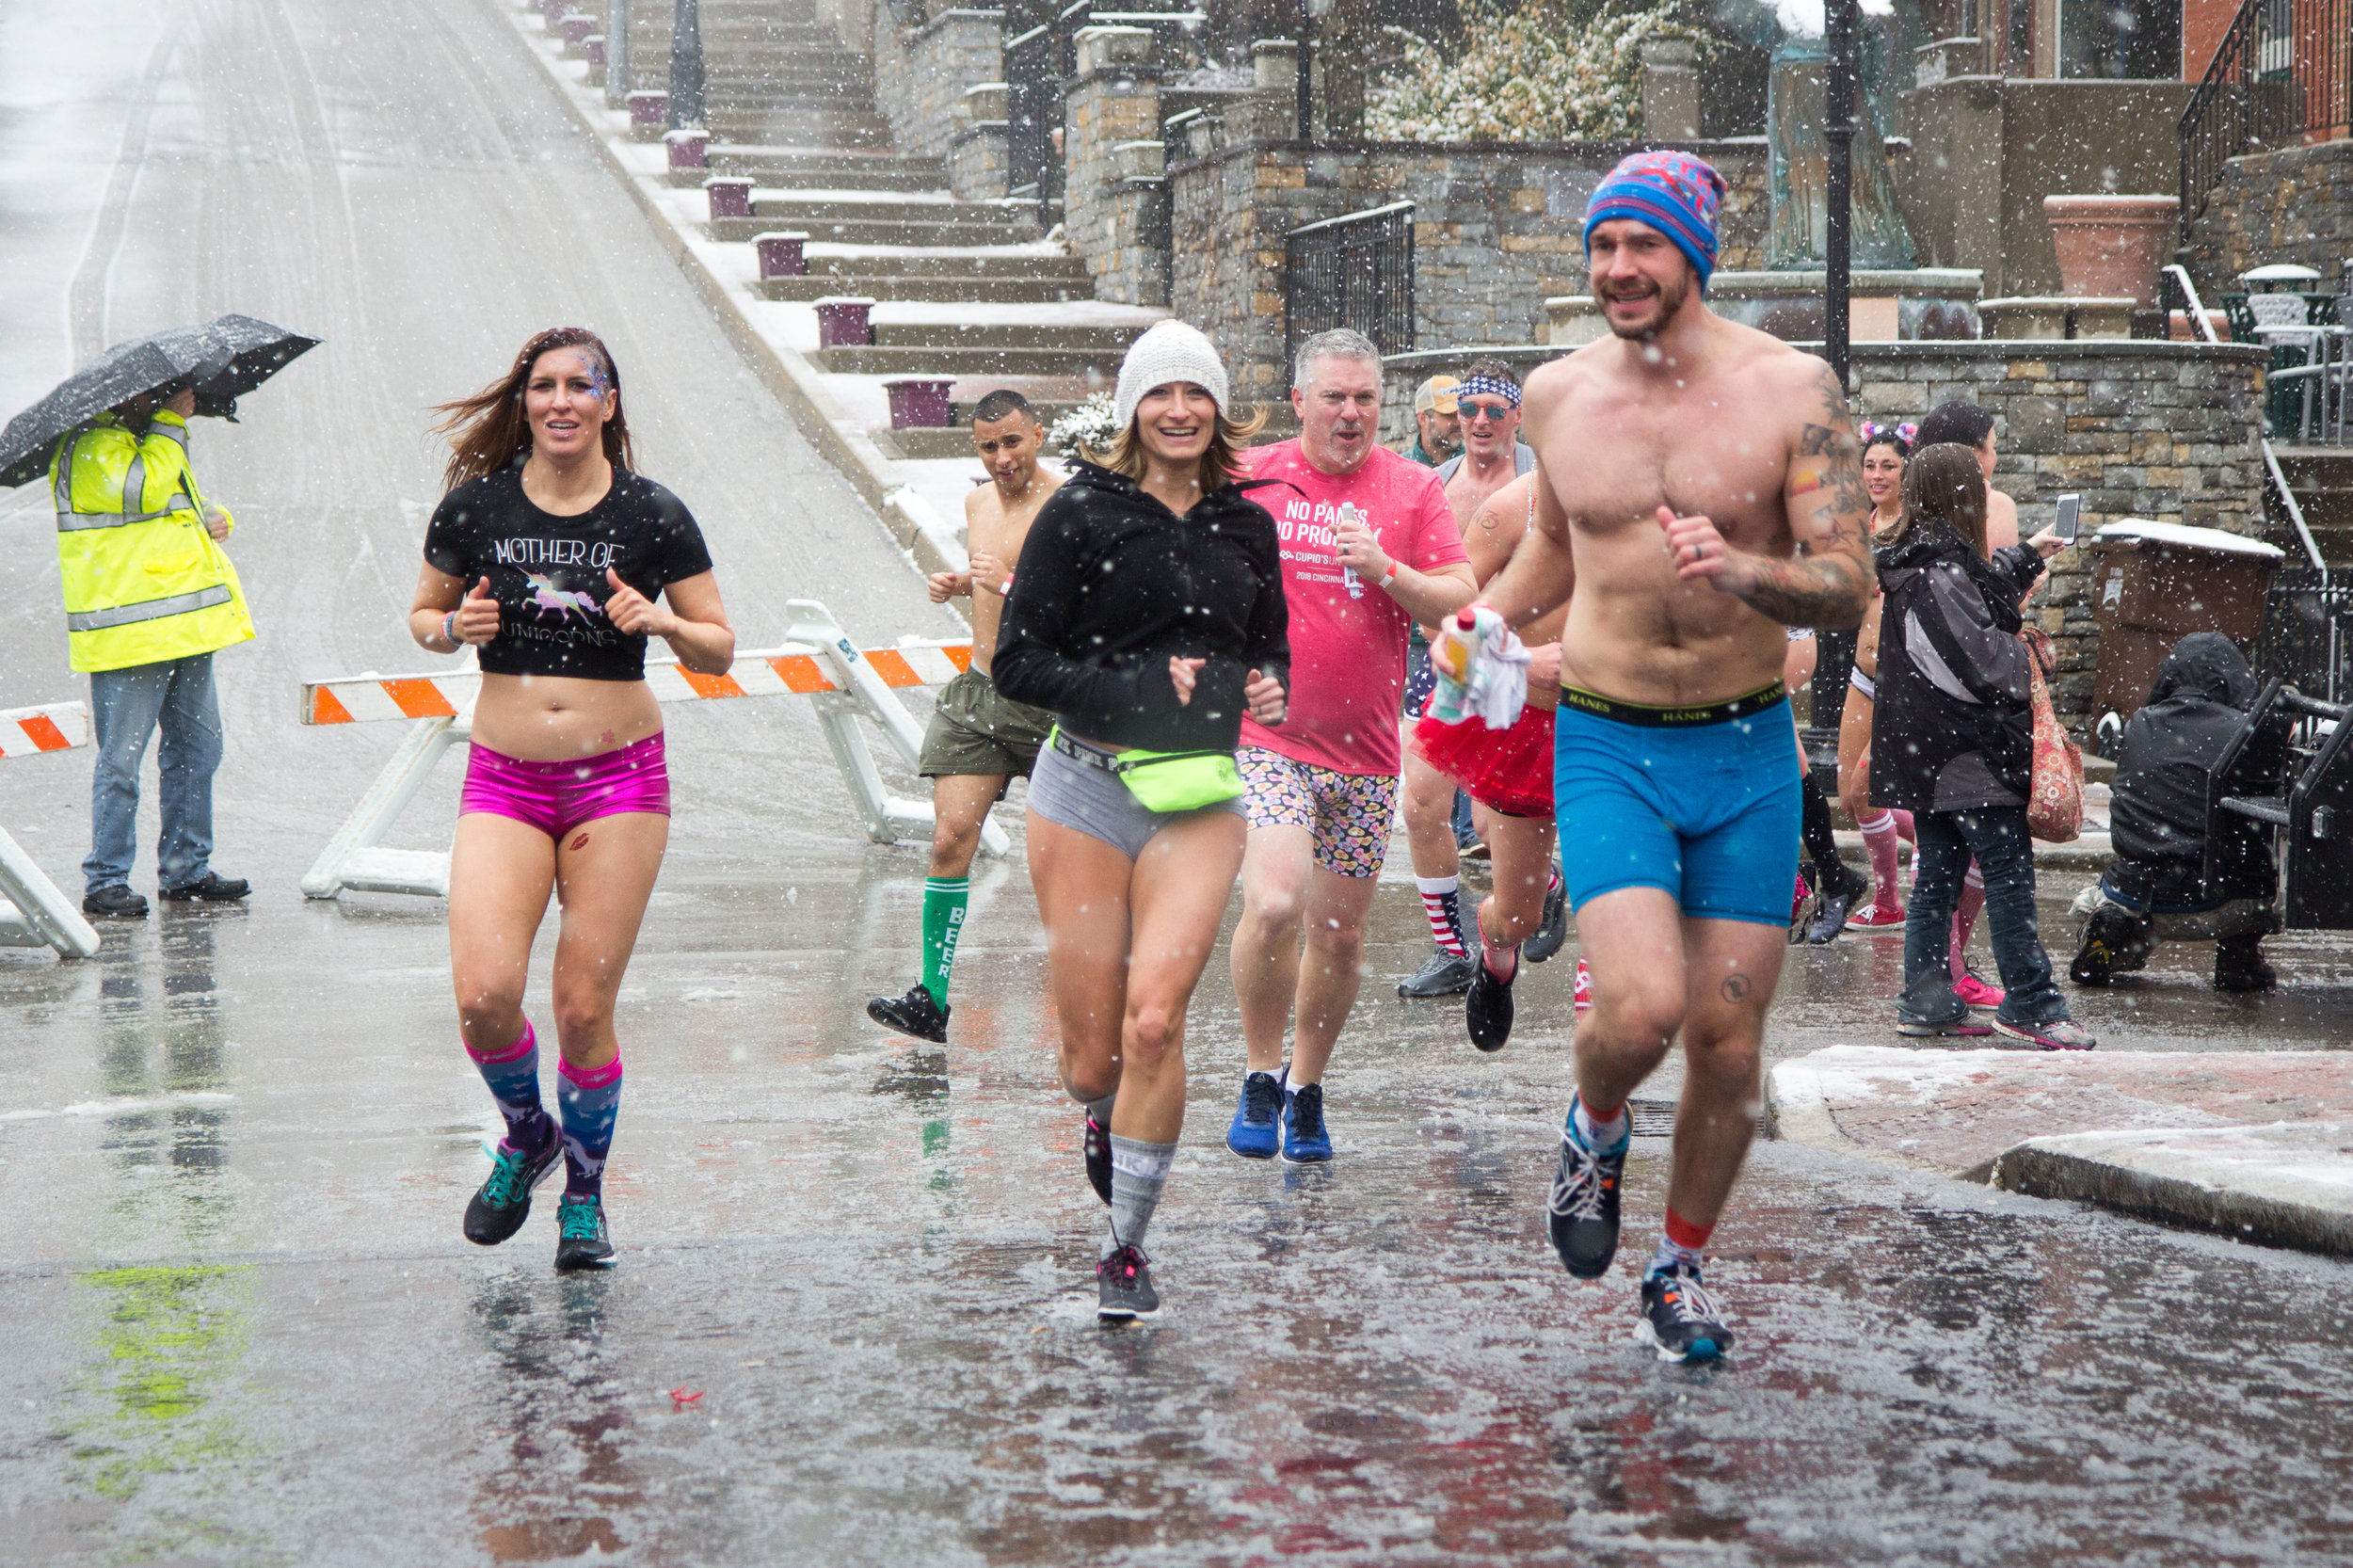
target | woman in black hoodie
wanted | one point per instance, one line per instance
(1952, 741)
(1147, 615)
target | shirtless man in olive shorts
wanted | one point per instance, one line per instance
(977, 740)
(1699, 492)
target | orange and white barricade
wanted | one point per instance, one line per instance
(34, 911)
(816, 662)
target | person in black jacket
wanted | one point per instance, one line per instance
(1952, 741)
(1147, 615)
(2158, 820)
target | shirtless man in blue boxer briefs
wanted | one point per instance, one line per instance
(1700, 489)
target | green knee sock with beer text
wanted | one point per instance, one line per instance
(943, 920)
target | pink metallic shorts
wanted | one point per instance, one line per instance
(556, 797)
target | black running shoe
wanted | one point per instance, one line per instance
(2107, 935)
(1123, 1288)
(1552, 932)
(1837, 900)
(1442, 975)
(581, 1241)
(211, 888)
(1097, 1144)
(914, 1013)
(1487, 1010)
(114, 901)
(1680, 1320)
(500, 1209)
(1583, 1213)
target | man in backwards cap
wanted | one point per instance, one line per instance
(1699, 490)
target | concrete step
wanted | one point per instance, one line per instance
(946, 235)
(967, 361)
(958, 336)
(2321, 478)
(826, 168)
(801, 177)
(939, 291)
(796, 209)
(848, 270)
(805, 127)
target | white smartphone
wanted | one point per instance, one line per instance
(2069, 519)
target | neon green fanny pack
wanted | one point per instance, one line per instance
(1163, 780)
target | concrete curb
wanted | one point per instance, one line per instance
(929, 542)
(1797, 1112)
(2205, 1178)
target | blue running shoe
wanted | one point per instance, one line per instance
(1254, 1134)
(1306, 1140)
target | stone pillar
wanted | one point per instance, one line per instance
(977, 153)
(1273, 112)
(1671, 89)
(1115, 98)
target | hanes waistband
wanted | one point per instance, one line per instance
(1674, 718)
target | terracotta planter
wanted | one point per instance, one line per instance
(2111, 245)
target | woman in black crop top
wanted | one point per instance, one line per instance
(1147, 613)
(553, 556)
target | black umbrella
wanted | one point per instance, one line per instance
(223, 358)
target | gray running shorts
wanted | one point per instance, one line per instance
(1096, 804)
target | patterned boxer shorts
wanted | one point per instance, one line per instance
(1349, 813)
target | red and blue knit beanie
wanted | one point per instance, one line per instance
(1676, 193)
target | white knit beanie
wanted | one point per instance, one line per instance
(1171, 351)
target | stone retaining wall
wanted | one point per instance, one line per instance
(1496, 230)
(2293, 205)
(2157, 430)
(922, 75)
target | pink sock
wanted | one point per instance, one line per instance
(1880, 840)
(1965, 917)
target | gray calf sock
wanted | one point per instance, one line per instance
(1139, 1170)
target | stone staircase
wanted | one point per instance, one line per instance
(791, 110)
(2321, 478)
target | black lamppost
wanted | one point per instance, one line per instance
(686, 66)
(1306, 27)
(1834, 650)
(617, 55)
(1838, 37)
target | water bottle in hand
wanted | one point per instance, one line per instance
(1452, 652)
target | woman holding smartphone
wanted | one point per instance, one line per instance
(554, 557)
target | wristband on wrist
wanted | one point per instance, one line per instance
(449, 629)
(1004, 589)
(1388, 577)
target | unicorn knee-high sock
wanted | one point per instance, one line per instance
(513, 1075)
(591, 1101)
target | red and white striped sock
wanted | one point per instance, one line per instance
(1441, 901)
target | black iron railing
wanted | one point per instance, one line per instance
(2307, 634)
(1354, 270)
(1033, 115)
(2280, 76)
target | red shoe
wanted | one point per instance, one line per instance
(1977, 992)
(1877, 917)
(1583, 995)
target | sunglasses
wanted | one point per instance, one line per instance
(1484, 410)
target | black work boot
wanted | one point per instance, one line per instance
(2108, 936)
(2239, 964)
(211, 888)
(114, 901)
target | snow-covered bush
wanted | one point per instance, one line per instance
(1091, 426)
(1542, 73)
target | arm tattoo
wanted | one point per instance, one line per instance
(1827, 584)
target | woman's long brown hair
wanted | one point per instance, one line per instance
(1943, 483)
(489, 431)
(1221, 465)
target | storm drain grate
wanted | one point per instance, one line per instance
(1656, 1118)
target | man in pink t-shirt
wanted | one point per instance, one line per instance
(1369, 547)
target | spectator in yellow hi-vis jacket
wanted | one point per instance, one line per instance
(149, 595)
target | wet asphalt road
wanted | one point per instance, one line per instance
(852, 1322)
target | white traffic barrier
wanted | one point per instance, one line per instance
(35, 913)
(817, 662)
